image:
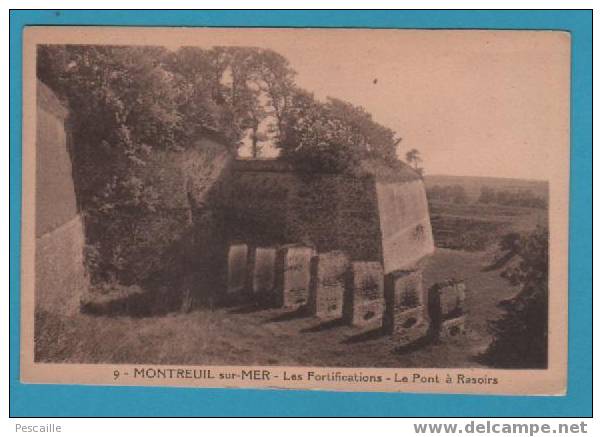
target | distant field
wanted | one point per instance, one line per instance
(473, 184)
(474, 226)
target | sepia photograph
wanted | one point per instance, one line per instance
(339, 209)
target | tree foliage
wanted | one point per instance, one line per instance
(333, 136)
(414, 159)
(520, 336)
(128, 104)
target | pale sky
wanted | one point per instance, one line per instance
(483, 103)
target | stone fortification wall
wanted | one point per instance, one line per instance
(271, 204)
(61, 278)
(405, 223)
(185, 231)
(381, 216)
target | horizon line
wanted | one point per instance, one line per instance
(488, 177)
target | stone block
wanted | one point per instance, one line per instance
(293, 272)
(403, 288)
(405, 314)
(60, 276)
(364, 299)
(447, 300)
(328, 285)
(451, 298)
(407, 325)
(452, 328)
(237, 268)
(264, 273)
(404, 223)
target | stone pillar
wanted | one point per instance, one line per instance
(451, 299)
(405, 316)
(237, 268)
(447, 308)
(364, 298)
(264, 272)
(328, 285)
(452, 328)
(293, 273)
(404, 288)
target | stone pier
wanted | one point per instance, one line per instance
(293, 266)
(364, 299)
(405, 315)
(328, 285)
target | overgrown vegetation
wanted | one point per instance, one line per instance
(333, 136)
(520, 336)
(129, 104)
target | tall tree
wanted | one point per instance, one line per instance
(413, 158)
(275, 79)
(128, 103)
(333, 136)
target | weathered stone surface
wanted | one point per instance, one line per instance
(293, 265)
(364, 299)
(403, 288)
(60, 278)
(446, 301)
(237, 268)
(328, 285)
(453, 328)
(264, 277)
(55, 194)
(378, 215)
(407, 325)
(405, 223)
(188, 231)
(451, 299)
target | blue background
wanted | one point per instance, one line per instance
(64, 400)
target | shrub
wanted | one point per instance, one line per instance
(333, 136)
(520, 335)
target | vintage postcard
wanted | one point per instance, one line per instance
(332, 209)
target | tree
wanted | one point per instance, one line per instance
(207, 100)
(123, 107)
(333, 136)
(315, 141)
(275, 80)
(235, 90)
(130, 104)
(257, 137)
(413, 158)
